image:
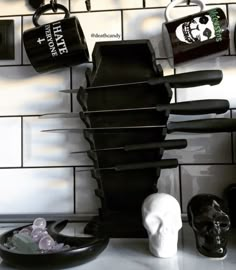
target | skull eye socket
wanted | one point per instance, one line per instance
(203, 225)
(223, 222)
(207, 33)
(153, 224)
(204, 20)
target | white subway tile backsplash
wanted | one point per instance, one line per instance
(78, 75)
(211, 179)
(29, 93)
(224, 90)
(101, 30)
(106, 5)
(38, 174)
(218, 1)
(202, 148)
(79, 80)
(167, 69)
(86, 202)
(52, 149)
(15, 7)
(184, 10)
(145, 24)
(154, 3)
(232, 24)
(10, 142)
(35, 191)
(234, 138)
(168, 182)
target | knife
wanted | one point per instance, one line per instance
(196, 126)
(196, 107)
(182, 80)
(167, 144)
(163, 164)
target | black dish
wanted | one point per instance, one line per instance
(83, 250)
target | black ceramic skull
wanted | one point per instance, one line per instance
(209, 219)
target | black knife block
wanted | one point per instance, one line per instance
(122, 192)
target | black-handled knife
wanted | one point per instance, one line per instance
(166, 145)
(214, 125)
(196, 107)
(163, 164)
(182, 80)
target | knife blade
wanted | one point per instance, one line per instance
(163, 164)
(167, 144)
(214, 125)
(195, 107)
(181, 80)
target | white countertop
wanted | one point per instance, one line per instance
(133, 254)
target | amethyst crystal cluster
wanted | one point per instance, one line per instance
(34, 239)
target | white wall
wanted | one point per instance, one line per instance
(38, 174)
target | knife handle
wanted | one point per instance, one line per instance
(196, 107)
(168, 163)
(190, 79)
(203, 126)
(168, 144)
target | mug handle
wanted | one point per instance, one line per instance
(176, 2)
(43, 9)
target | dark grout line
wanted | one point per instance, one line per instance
(208, 164)
(69, 5)
(14, 65)
(227, 16)
(71, 95)
(74, 190)
(21, 218)
(180, 190)
(47, 167)
(22, 142)
(109, 10)
(21, 41)
(89, 166)
(122, 25)
(175, 90)
(232, 139)
(20, 115)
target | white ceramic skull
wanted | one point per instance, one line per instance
(162, 219)
(198, 29)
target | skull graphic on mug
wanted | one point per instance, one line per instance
(195, 36)
(198, 29)
(208, 217)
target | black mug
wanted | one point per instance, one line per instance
(195, 36)
(57, 44)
